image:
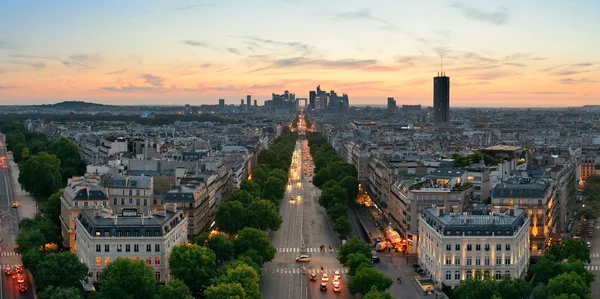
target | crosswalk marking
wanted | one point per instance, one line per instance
(593, 268)
(2, 267)
(308, 250)
(310, 271)
(595, 254)
(9, 253)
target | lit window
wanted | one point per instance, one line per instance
(157, 260)
(148, 260)
(98, 261)
(107, 260)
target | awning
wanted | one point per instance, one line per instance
(392, 235)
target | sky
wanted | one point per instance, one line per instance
(535, 53)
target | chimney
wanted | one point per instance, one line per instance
(116, 217)
(491, 217)
(142, 219)
(464, 217)
(440, 211)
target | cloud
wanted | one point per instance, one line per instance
(32, 56)
(6, 45)
(82, 60)
(361, 14)
(5, 87)
(487, 76)
(514, 64)
(551, 92)
(348, 64)
(571, 72)
(195, 43)
(230, 87)
(257, 42)
(498, 17)
(523, 56)
(38, 65)
(206, 65)
(130, 88)
(153, 80)
(234, 51)
(577, 81)
(190, 7)
(117, 72)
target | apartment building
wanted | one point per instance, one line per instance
(510, 158)
(478, 175)
(102, 237)
(192, 198)
(80, 193)
(454, 246)
(130, 191)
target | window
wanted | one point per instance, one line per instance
(106, 248)
(478, 247)
(97, 275)
(130, 192)
(145, 201)
(107, 234)
(498, 275)
(136, 248)
(119, 248)
(115, 201)
(507, 260)
(456, 275)
(157, 247)
(498, 247)
(498, 260)
(98, 261)
(127, 248)
(106, 261)
(148, 248)
(136, 258)
(157, 260)
(127, 233)
(469, 261)
(157, 275)
(155, 201)
(97, 233)
(98, 248)
(119, 233)
(448, 275)
(137, 192)
(448, 261)
(487, 260)
(137, 201)
(136, 233)
(448, 247)
(507, 273)
(130, 200)
(122, 201)
(487, 247)
(477, 261)
(469, 274)
(507, 247)
(148, 260)
(457, 247)
(457, 260)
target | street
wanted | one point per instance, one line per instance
(304, 229)
(8, 258)
(594, 266)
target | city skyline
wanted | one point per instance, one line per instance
(196, 52)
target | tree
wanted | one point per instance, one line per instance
(225, 291)
(274, 186)
(48, 229)
(353, 245)
(357, 261)
(333, 195)
(545, 269)
(251, 187)
(376, 294)
(40, 174)
(577, 266)
(246, 260)
(128, 279)
(31, 258)
(242, 196)
(257, 240)
(230, 217)
(69, 156)
(366, 278)
(244, 275)
(342, 226)
(30, 239)
(175, 289)
(60, 293)
(25, 153)
(60, 270)
(51, 208)
(337, 210)
(476, 288)
(568, 284)
(222, 247)
(513, 288)
(201, 239)
(259, 175)
(263, 214)
(350, 184)
(575, 248)
(278, 173)
(194, 265)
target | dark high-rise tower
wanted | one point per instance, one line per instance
(441, 98)
(248, 100)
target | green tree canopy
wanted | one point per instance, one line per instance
(342, 226)
(69, 156)
(252, 187)
(568, 284)
(230, 217)
(225, 291)
(244, 275)
(366, 278)
(175, 289)
(30, 239)
(51, 208)
(259, 175)
(222, 247)
(254, 239)
(274, 186)
(356, 261)
(242, 196)
(31, 259)
(350, 184)
(128, 279)
(40, 174)
(353, 245)
(263, 214)
(60, 293)
(476, 288)
(333, 195)
(60, 270)
(513, 288)
(337, 210)
(376, 294)
(194, 265)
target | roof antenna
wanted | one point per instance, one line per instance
(441, 64)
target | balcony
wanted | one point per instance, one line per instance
(432, 186)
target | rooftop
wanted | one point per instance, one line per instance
(129, 181)
(102, 223)
(495, 224)
(503, 148)
(521, 188)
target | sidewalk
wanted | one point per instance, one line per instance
(367, 223)
(27, 206)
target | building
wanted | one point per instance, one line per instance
(80, 193)
(222, 104)
(192, 197)
(312, 96)
(441, 99)
(455, 247)
(534, 196)
(391, 104)
(255, 103)
(509, 158)
(249, 100)
(588, 167)
(130, 191)
(102, 237)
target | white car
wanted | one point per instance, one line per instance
(324, 277)
(336, 286)
(336, 275)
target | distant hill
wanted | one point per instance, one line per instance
(74, 105)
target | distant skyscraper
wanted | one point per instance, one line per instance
(255, 103)
(222, 103)
(391, 104)
(242, 102)
(441, 98)
(249, 100)
(311, 99)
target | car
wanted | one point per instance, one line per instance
(22, 288)
(8, 271)
(589, 245)
(291, 198)
(324, 277)
(336, 286)
(303, 258)
(298, 192)
(19, 269)
(336, 275)
(323, 286)
(375, 259)
(313, 277)
(20, 279)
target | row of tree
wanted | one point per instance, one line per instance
(337, 180)
(591, 198)
(363, 279)
(561, 273)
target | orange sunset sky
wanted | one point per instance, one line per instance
(497, 53)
